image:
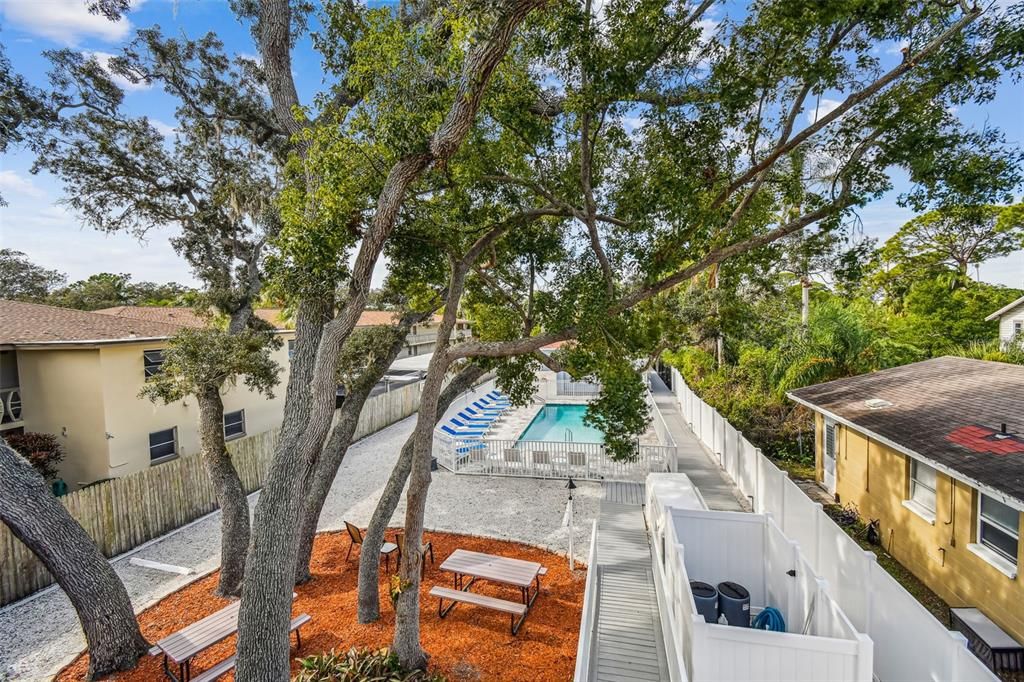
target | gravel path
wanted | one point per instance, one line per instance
(40, 635)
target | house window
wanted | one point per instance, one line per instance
(922, 485)
(1018, 325)
(234, 424)
(830, 439)
(998, 527)
(153, 362)
(291, 349)
(163, 445)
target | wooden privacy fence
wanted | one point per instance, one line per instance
(123, 513)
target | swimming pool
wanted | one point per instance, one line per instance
(562, 423)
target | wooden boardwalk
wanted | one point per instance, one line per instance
(628, 645)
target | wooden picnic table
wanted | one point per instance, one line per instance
(480, 566)
(182, 646)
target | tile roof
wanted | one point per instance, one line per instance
(28, 323)
(947, 410)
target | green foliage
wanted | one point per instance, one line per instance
(107, 290)
(359, 665)
(23, 280)
(936, 315)
(836, 343)
(994, 351)
(42, 450)
(956, 237)
(198, 360)
(362, 348)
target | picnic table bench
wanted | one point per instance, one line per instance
(182, 646)
(479, 566)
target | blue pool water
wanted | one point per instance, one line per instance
(556, 422)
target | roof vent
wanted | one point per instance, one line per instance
(877, 403)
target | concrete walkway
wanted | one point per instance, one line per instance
(628, 644)
(694, 459)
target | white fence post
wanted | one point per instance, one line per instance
(868, 593)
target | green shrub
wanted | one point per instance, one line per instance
(42, 450)
(359, 665)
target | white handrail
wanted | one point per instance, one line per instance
(588, 618)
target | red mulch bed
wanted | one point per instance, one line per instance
(469, 644)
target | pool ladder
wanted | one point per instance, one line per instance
(568, 435)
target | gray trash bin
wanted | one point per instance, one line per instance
(734, 603)
(706, 598)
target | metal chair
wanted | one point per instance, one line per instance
(386, 549)
(425, 549)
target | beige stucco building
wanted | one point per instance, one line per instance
(934, 453)
(77, 375)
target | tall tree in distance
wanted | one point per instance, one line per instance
(109, 290)
(956, 237)
(23, 280)
(217, 180)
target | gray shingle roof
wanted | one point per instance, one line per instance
(946, 409)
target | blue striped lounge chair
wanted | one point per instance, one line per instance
(479, 415)
(462, 433)
(483, 421)
(487, 409)
(461, 425)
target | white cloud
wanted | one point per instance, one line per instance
(165, 129)
(13, 184)
(64, 21)
(897, 48)
(823, 107)
(104, 59)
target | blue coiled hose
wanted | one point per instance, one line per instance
(769, 619)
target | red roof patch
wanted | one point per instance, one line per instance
(986, 440)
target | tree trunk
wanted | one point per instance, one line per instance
(320, 486)
(373, 538)
(340, 439)
(263, 638)
(406, 642)
(227, 486)
(40, 521)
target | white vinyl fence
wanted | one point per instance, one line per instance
(910, 644)
(547, 459)
(820, 643)
(556, 459)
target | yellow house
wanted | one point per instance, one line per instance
(78, 374)
(934, 452)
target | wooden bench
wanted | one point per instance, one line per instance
(217, 670)
(229, 663)
(455, 596)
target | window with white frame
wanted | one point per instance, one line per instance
(234, 424)
(152, 362)
(922, 485)
(163, 445)
(998, 527)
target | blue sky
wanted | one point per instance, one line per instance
(36, 223)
